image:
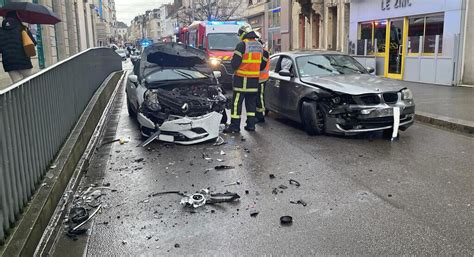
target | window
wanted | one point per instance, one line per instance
(328, 65)
(285, 64)
(416, 28)
(374, 32)
(273, 63)
(434, 26)
(427, 27)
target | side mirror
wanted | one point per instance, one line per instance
(285, 73)
(217, 74)
(133, 79)
(370, 69)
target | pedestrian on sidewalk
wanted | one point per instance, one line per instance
(15, 60)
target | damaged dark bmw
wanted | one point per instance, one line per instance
(175, 96)
(332, 93)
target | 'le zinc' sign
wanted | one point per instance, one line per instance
(388, 4)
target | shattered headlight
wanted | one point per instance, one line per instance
(151, 101)
(407, 94)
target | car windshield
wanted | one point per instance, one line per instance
(327, 65)
(174, 74)
(223, 41)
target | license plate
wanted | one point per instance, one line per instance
(166, 138)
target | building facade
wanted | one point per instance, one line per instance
(301, 24)
(415, 40)
(105, 18)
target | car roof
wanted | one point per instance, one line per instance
(306, 52)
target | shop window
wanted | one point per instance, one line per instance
(434, 27)
(380, 31)
(428, 28)
(374, 32)
(416, 28)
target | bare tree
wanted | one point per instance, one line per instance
(201, 10)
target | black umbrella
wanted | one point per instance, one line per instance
(31, 13)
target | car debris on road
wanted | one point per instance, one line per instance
(206, 197)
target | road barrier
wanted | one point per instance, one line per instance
(36, 117)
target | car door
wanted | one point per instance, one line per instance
(272, 87)
(291, 90)
(285, 85)
(132, 88)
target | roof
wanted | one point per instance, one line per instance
(308, 52)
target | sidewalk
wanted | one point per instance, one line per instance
(445, 106)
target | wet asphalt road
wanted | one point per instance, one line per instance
(364, 196)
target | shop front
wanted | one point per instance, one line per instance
(413, 40)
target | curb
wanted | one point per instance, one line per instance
(35, 218)
(463, 126)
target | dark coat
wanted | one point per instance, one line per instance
(11, 46)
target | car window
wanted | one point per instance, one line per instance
(273, 63)
(285, 63)
(325, 65)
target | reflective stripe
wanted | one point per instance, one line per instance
(247, 90)
(262, 102)
(248, 72)
(260, 109)
(244, 83)
(251, 61)
(238, 53)
(265, 59)
(250, 114)
(235, 112)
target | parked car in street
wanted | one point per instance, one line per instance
(173, 97)
(122, 53)
(329, 92)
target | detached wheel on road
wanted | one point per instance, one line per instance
(313, 118)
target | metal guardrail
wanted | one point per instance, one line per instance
(37, 116)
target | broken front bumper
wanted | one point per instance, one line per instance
(185, 130)
(364, 119)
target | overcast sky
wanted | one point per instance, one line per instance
(128, 9)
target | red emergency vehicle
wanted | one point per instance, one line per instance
(218, 39)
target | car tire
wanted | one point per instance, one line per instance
(130, 110)
(313, 118)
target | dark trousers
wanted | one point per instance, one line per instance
(261, 100)
(250, 106)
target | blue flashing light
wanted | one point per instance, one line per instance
(225, 22)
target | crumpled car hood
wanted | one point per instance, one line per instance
(357, 84)
(173, 55)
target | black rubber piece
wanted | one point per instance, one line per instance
(286, 220)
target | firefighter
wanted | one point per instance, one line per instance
(247, 62)
(264, 76)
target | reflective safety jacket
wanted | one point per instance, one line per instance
(265, 73)
(251, 59)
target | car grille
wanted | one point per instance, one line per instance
(370, 99)
(390, 98)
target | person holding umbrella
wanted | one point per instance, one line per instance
(16, 42)
(15, 60)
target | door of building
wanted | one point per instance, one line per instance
(396, 51)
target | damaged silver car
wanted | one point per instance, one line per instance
(174, 96)
(332, 93)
